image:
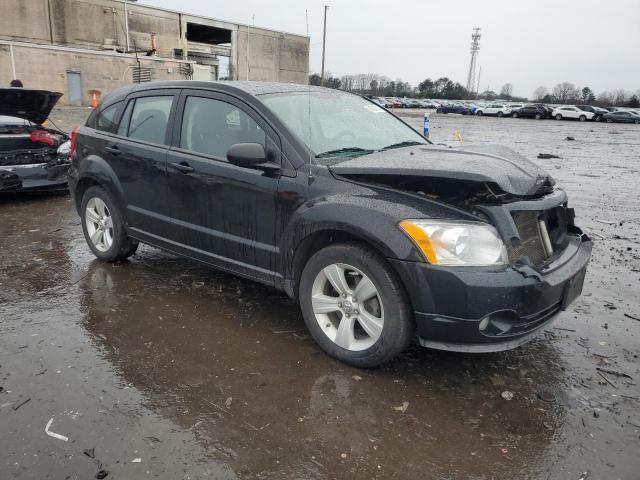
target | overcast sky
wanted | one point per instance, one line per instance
(525, 42)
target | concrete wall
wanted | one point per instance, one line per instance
(88, 24)
(273, 56)
(46, 68)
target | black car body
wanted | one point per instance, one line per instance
(621, 116)
(531, 111)
(454, 108)
(270, 211)
(30, 160)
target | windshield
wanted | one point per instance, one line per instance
(336, 124)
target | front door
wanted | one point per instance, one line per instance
(225, 214)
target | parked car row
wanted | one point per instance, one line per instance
(540, 111)
(516, 110)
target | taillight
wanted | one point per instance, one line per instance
(72, 148)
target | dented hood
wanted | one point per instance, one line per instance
(32, 105)
(492, 164)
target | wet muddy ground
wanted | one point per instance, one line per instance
(163, 368)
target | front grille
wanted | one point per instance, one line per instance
(531, 242)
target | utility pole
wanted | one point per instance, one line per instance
(324, 42)
(475, 46)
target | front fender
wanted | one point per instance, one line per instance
(374, 220)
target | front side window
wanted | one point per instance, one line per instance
(212, 126)
(337, 124)
(149, 119)
(105, 119)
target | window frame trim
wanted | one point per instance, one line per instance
(255, 115)
(165, 92)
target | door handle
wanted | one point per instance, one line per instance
(183, 167)
(112, 149)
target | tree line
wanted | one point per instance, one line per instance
(445, 88)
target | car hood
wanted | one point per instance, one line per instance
(489, 164)
(32, 105)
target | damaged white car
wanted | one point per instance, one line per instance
(33, 158)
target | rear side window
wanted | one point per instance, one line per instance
(149, 118)
(212, 126)
(106, 119)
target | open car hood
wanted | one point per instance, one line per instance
(489, 164)
(32, 105)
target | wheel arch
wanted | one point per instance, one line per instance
(95, 171)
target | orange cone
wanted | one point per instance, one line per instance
(94, 100)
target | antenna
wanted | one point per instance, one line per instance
(475, 46)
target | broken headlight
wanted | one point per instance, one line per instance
(456, 243)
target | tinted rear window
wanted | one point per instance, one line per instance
(149, 119)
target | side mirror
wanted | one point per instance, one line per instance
(246, 155)
(250, 155)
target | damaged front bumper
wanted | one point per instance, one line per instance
(484, 310)
(37, 177)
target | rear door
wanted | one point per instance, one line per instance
(138, 157)
(225, 214)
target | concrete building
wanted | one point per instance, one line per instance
(79, 47)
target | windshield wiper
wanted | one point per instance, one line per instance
(407, 143)
(338, 151)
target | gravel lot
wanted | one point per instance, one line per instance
(162, 368)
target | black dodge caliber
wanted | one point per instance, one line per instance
(380, 235)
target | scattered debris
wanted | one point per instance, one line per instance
(570, 139)
(564, 329)
(17, 406)
(547, 156)
(90, 452)
(606, 379)
(357, 378)
(136, 460)
(632, 317)
(228, 402)
(606, 222)
(402, 408)
(101, 474)
(343, 455)
(56, 435)
(507, 395)
(613, 372)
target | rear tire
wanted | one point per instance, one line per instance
(637, 122)
(538, 116)
(355, 306)
(500, 114)
(514, 115)
(609, 120)
(479, 113)
(582, 118)
(558, 117)
(103, 226)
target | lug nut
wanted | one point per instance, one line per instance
(340, 304)
(356, 312)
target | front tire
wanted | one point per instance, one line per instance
(515, 115)
(103, 226)
(479, 113)
(355, 306)
(500, 114)
(609, 120)
(558, 117)
(538, 116)
(582, 118)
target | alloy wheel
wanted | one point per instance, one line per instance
(99, 224)
(347, 306)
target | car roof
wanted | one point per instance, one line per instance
(252, 88)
